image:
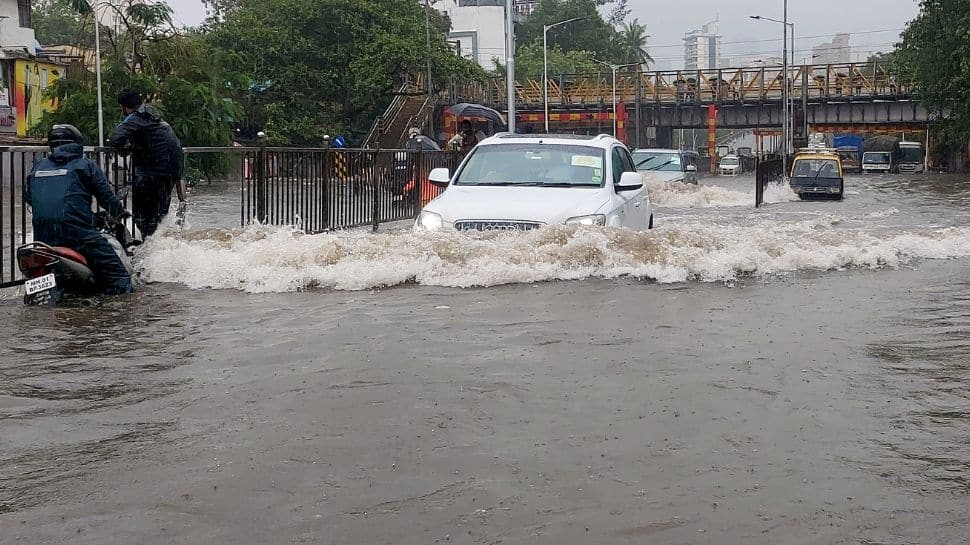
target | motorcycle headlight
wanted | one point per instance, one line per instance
(429, 221)
(595, 219)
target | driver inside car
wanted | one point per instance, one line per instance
(59, 190)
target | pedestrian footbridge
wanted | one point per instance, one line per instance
(832, 94)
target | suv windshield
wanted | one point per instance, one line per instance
(816, 168)
(534, 165)
(876, 158)
(730, 161)
(654, 160)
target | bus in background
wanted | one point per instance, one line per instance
(908, 157)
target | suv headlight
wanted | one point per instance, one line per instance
(429, 221)
(595, 219)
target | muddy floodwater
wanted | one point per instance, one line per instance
(792, 375)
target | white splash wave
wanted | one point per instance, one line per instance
(272, 259)
(680, 195)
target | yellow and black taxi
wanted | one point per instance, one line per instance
(816, 172)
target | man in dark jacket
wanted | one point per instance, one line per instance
(157, 159)
(59, 190)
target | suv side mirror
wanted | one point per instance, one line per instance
(691, 168)
(629, 181)
(439, 177)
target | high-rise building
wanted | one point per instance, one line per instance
(834, 52)
(702, 48)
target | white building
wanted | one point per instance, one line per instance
(702, 48)
(16, 29)
(478, 26)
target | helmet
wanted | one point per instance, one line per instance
(64, 134)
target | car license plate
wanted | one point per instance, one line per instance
(39, 284)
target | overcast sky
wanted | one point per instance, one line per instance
(187, 12)
(875, 24)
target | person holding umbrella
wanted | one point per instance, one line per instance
(465, 140)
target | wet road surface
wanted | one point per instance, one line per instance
(778, 402)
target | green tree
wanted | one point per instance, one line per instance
(529, 62)
(633, 43)
(221, 8)
(936, 50)
(592, 33)
(329, 66)
(56, 22)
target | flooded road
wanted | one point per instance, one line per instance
(796, 374)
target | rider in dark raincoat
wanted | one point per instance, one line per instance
(157, 159)
(59, 190)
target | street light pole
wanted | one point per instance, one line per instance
(427, 35)
(510, 61)
(786, 113)
(545, 64)
(614, 100)
(97, 65)
(614, 68)
(787, 109)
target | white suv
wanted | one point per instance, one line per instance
(522, 182)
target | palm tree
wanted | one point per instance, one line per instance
(633, 41)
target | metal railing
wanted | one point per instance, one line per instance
(421, 118)
(769, 170)
(15, 223)
(313, 189)
(384, 121)
(327, 189)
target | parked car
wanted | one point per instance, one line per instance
(668, 165)
(515, 182)
(730, 165)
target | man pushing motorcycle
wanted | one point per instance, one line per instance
(59, 190)
(156, 155)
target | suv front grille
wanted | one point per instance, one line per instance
(503, 225)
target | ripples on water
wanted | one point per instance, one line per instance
(81, 362)
(77, 363)
(928, 363)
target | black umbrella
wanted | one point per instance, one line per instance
(465, 109)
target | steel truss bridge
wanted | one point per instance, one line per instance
(841, 95)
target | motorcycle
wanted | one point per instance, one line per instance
(53, 272)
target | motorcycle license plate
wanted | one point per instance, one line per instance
(41, 283)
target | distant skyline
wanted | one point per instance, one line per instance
(816, 22)
(874, 24)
